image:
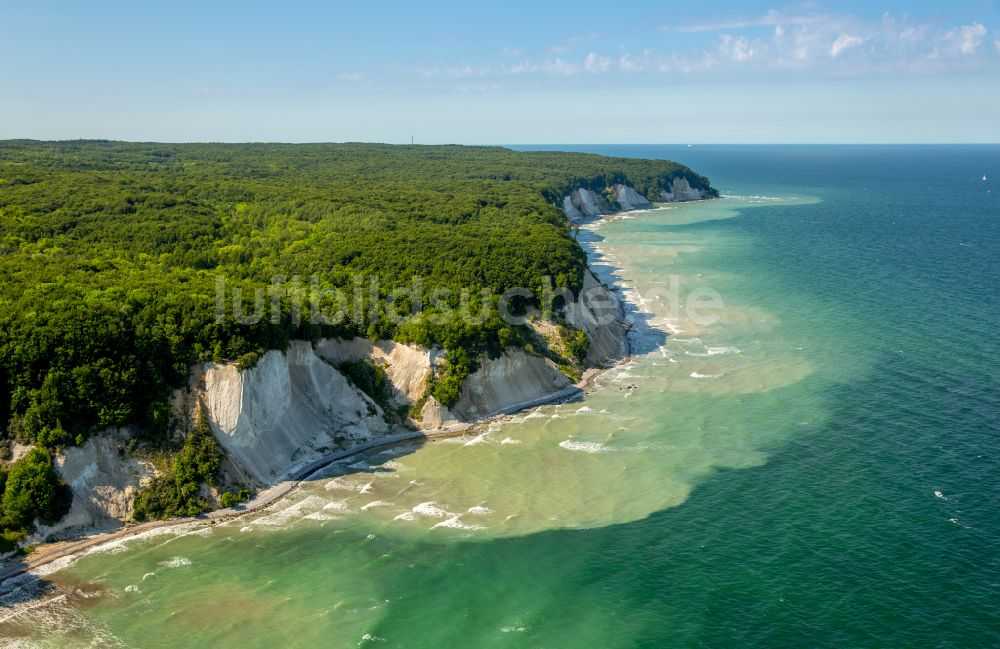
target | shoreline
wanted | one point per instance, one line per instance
(49, 553)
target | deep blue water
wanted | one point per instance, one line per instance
(840, 540)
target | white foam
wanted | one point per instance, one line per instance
(54, 566)
(397, 451)
(393, 465)
(320, 516)
(431, 510)
(298, 510)
(120, 545)
(456, 523)
(479, 510)
(336, 506)
(478, 439)
(348, 485)
(176, 562)
(132, 588)
(508, 440)
(373, 504)
(699, 375)
(148, 575)
(585, 447)
(716, 351)
(940, 495)
(450, 440)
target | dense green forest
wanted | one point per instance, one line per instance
(110, 254)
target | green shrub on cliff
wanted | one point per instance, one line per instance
(578, 344)
(235, 497)
(177, 494)
(446, 386)
(32, 489)
(248, 361)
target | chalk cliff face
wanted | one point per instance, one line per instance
(408, 367)
(512, 382)
(599, 313)
(435, 416)
(584, 203)
(681, 190)
(629, 199)
(286, 412)
(104, 482)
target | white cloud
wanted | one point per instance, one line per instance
(735, 48)
(595, 63)
(561, 68)
(844, 42)
(349, 77)
(628, 63)
(770, 19)
(463, 72)
(966, 39)
(790, 43)
(913, 34)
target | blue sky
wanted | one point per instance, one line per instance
(511, 72)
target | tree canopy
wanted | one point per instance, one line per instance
(110, 254)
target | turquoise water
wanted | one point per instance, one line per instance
(817, 467)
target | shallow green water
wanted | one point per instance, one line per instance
(817, 467)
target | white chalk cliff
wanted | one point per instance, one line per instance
(599, 313)
(581, 204)
(286, 412)
(681, 190)
(514, 381)
(104, 481)
(629, 199)
(408, 367)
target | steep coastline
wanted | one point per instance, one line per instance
(293, 409)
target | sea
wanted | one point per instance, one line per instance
(803, 452)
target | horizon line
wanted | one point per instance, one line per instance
(485, 144)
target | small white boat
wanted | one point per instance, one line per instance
(984, 177)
